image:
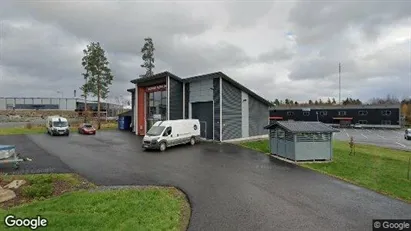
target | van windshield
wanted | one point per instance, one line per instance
(60, 124)
(155, 131)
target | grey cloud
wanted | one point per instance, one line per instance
(319, 68)
(316, 20)
(280, 54)
(47, 54)
(197, 60)
(246, 13)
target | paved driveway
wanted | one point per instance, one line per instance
(230, 188)
(42, 162)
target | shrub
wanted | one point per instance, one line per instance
(29, 126)
(37, 191)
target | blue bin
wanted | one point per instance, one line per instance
(127, 122)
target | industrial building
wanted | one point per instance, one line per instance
(385, 116)
(226, 109)
(67, 104)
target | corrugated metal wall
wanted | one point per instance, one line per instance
(2, 104)
(201, 91)
(216, 98)
(39, 103)
(245, 115)
(231, 111)
(187, 99)
(258, 117)
(176, 100)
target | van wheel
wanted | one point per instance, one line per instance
(163, 147)
(192, 141)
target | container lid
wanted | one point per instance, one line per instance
(6, 147)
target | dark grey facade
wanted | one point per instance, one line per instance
(186, 99)
(368, 115)
(232, 120)
(176, 99)
(222, 105)
(216, 99)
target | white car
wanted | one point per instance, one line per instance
(407, 134)
(357, 125)
(164, 134)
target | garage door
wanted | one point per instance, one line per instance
(204, 113)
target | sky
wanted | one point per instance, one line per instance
(278, 49)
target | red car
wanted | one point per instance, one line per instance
(86, 129)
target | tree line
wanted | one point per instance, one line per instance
(329, 101)
(98, 76)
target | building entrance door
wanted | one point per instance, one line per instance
(204, 113)
(156, 107)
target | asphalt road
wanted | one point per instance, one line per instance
(385, 138)
(42, 162)
(230, 188)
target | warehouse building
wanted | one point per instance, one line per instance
(65, 104)
(375, 116)
(226, 109)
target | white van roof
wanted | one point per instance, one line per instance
(57, 118)
(170, 122)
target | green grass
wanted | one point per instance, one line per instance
(131, 209)
(381, 169)
(144, 208)
(42, 129)
(260, 145)
(21, 130)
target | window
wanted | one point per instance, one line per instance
(290, 113)
(362, 113)
(386, 112)
(323, 113)
(362, 121)
(342, 113)
(385, 122)
(306, 113)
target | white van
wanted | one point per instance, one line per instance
(164, 134)
(57, 125)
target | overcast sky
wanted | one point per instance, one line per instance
(286, 49)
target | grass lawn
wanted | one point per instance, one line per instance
(381, 169)
(148, 208)
(38, 129)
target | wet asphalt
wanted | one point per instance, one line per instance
(229, 188)
(41, 160)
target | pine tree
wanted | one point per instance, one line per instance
(148, 57)
(98, 74)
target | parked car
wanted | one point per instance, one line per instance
(357, 126)
(164, 134)
(86, 128)
(57, 125)
(407, 134)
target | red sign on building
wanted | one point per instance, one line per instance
(161, 87)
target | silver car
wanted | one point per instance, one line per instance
(407, 134)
